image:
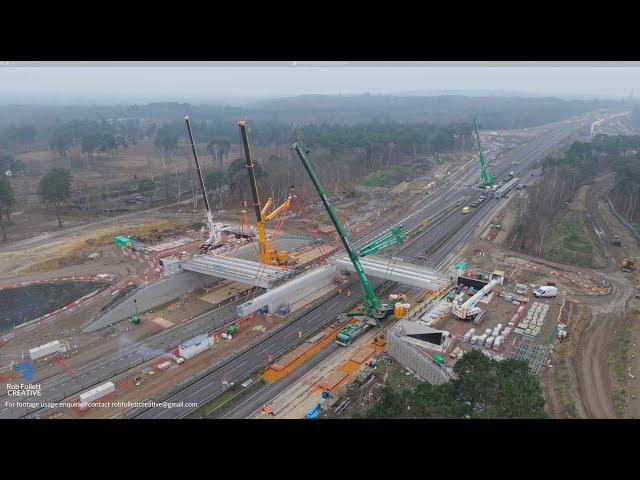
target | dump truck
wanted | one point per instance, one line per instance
(628, 265)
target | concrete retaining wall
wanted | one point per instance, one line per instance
(291, 292)
(155, 294)
(409, 356)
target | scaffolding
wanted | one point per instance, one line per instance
(534, 354)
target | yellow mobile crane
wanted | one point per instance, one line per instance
(268, 255)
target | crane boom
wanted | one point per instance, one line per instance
(251, 169)
(214, 235)
(389, 239)
(485, 179)
(468, 309)
(372, 305)
(267, 254)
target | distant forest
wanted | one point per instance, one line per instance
(563, 175)
(353, 135)
(492, 112)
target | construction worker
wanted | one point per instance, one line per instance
(299, 334)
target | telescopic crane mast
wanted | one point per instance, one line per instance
(268, 255)
(214, 234)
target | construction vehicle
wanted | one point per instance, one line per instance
(314, 412)
(485, 179)
(546, 291)
(348, 334)
(268, 255)
(465, 210)
(214, 236)
(616, 241)
(628, 265)
(135, 320)
(284, 309)
(468, 309)
(372, 307)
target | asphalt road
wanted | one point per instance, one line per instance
(282, 341)
(64, 385)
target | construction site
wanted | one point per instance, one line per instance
(284, 308)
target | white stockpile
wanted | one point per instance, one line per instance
(533, 322)
(438, 311)
(490, 339)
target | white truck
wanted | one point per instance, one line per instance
(96, 393)
(47, 349)
(546, 291)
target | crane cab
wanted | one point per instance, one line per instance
(496, 274)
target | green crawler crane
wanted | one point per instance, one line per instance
(485, 179)
(371, 305)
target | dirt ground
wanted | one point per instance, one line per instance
(630, 362)
(584, 385)
(366, 388)
(72, 250)
(560, 383)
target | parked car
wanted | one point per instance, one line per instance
(546, 291)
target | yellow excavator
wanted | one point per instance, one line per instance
(268, 255)
(628, 265)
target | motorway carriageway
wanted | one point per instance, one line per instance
(63, 386)
(281, 341)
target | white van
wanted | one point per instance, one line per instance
(546, 291)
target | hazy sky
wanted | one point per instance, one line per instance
(57, 82)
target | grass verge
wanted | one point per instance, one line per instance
(380, 177)
(619, 359)
(562, 398)
(573, 240)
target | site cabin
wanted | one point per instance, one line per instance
(123, 242)
(546, 291)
